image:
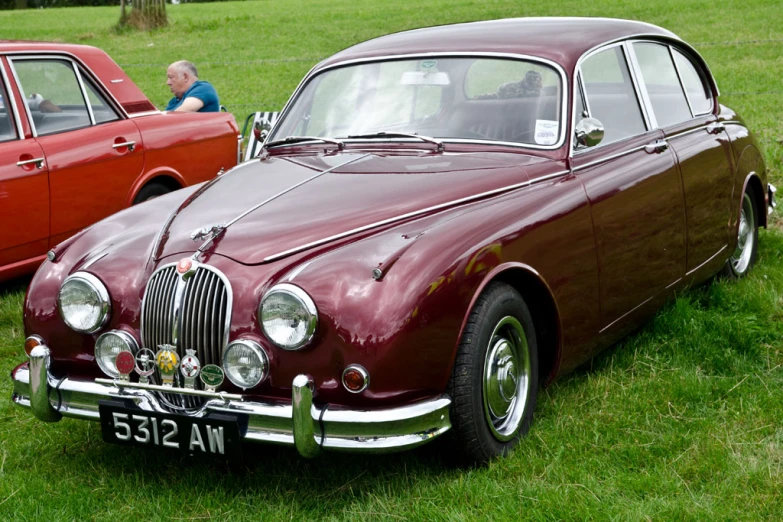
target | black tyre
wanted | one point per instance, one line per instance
(494, 383)
(150, 191)
(744, 256)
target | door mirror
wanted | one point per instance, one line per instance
(589, 132)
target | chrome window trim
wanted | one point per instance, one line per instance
(176, 326)
(12, 100)
(679, 79)
(640, 86)
(658, 38)
(74, 68)
(315, 71)
(415, 213)
(145, 113)
(84, 95)
(94, 77)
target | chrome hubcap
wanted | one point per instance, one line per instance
(506, 378)
(740, 259)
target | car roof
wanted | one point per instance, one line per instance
(561, 40)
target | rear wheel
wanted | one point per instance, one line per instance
(151, 191)
(744, 256)
(494, 383)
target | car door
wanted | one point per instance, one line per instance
(634, 188)
(24, 186)
(682, 106)
(94, 154)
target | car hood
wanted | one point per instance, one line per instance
(347, 191)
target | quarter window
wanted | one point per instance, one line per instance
(610, 94)
(698, 93)
(663, 87)
(53, 95)
(100, 107)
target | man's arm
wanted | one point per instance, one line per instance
(190, 104)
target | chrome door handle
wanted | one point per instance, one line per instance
(39, 162)
(130, 144)
(716, 128)
(656, 147)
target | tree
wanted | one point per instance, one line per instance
(144, 14)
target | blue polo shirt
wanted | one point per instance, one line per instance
(201, 90)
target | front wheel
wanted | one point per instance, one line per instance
(494, 383)
(744, 256)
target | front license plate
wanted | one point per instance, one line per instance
(213, 434)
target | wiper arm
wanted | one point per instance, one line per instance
(438, 143)
(297, 139)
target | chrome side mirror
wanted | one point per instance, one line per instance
(589, 132)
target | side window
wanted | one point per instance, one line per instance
(695, 84)
(610, 94)
(663, 87)
(53, 95)
(100, 107)
(7, 131)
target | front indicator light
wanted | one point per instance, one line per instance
(355, 378)
(245, 363)
(109, 345)
(31, 342)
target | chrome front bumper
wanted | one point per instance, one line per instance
(301, 423)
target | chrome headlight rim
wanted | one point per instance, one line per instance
(258, 350)
(306, 302)
(99, 288)
(127, 338)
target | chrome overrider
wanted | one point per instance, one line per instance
(301, 423)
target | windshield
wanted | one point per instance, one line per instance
(469, 98)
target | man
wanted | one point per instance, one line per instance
(190, 93)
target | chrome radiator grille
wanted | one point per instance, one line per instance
(191, 314)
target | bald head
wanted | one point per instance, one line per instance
(180, 76)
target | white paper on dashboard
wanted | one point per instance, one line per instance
(546, 132)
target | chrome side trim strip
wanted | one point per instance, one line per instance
(415, 213)
(608, 158)
(713, 256)
(145, 113)
(626, 314)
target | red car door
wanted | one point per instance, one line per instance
(24, 189)
(94, 155)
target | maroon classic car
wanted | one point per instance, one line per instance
(79, 141)
(440, 221)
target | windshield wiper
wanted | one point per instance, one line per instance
(297, 139)
(438, 143)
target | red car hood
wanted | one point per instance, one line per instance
(357, 189)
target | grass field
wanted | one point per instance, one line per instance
(682, 421)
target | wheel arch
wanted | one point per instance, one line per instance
(543, 309)
(165, 176)
(753, 182)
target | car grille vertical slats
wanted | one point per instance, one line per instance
(204, 306)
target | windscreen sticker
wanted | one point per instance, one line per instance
(546, 132)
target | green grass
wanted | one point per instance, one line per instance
(681, 421)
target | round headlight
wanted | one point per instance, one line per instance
(109, 345)
(84, 302)
(288, 316)
(245, 363)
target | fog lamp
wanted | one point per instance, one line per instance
(245, 363)
(109, 345)
(355, 378)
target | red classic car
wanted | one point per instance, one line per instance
(79, 141)
(440, 221)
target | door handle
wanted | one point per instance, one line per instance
(656, 147)
(39, 162)
(716, 128)
(130, 144)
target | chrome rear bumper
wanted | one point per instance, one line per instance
(300, 423)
